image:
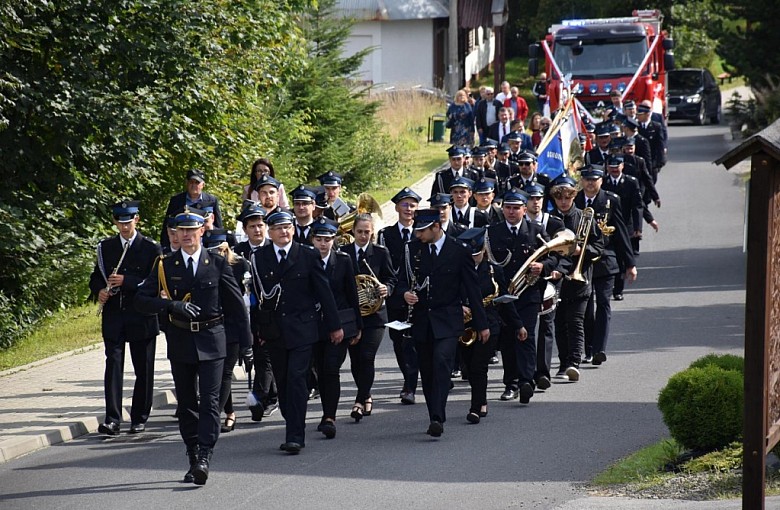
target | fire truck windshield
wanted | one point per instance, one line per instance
(599, 58)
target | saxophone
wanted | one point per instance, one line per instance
(469, 335)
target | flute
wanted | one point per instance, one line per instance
(116, 270)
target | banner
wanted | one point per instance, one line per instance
(551, 159)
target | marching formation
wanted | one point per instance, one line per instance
(503, 259)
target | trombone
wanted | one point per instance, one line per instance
(583, 233)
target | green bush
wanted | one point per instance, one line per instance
(724, 361)
(703, 407)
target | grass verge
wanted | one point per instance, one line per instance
(644, 465)
(64, 331)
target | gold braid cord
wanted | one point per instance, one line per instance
(162, 284)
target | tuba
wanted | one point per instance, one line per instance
(469, 336)
(583, 232)
(563, 242)
(366, 204)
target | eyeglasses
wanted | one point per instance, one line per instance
(277, 228)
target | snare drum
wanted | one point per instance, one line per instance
(550, 299)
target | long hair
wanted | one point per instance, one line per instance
(253, 177)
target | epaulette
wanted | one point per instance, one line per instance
(612, 194)
(307, 246)
(630, 177)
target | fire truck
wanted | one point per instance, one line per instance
(593, 57)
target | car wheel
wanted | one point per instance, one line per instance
(715, 119)
(702, 115)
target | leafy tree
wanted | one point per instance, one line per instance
(693, 24)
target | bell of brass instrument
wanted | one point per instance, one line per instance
(563, 242)
(366, 204)
(369, 297)
(583, 232)
(469, 335)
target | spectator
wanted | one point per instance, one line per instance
(261, 167)
(535, 129)
(505, 92)
(539, 91)
(460, 120)
(193, 196)
(517, 104)
(486, 114)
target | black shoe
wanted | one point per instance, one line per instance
(482, 413)
(587, 359)
(109, 428)
(509, 394)
(407, 398)
(526, 392)
(314, 393)
(270, 409)
(229, 425)
(137, 428)
(435, 429)
(599, 358)
(291, 447)
(328, 428)
(201, 470)
(257, 411)
(455, 374)
(192, 455)
(618, 297)
(543, 382)
(357, 412)
(493, 360)
(472, 417)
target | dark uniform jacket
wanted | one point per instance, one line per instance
(451, 276)
(443, 179)
(303, 284)
(491, 216)
(378, 259)
(390, 237)
(341, 278)
(214, 290)
(630, 200)
(593, 249)
(654, 134)
(245, 249)
(596, 157)
(120, 319)
(177, 203)
(489, 276)
(618, 252)
(305, 237)
(471, 215)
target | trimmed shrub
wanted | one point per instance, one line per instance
(724, 361)
(703, 406)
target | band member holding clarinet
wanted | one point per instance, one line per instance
(123, 261)
(436, 273)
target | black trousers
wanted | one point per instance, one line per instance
(142, 354)
(404, 349)
(362, 357)
(328, 359)
(570, 331)
(436, 357)
(225, 396)
(519, 358)
(476, 358)
(544, 344)
(264, 384)
(598, 315)
(291, 370)
(198, 421)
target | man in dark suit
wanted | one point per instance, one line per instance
(501, 128)
(627, 188)
(636, 166)
(123, 262)
(394, 238)
(437, 272)
(443, 178)
(528, 176)
(504, 169)
(511, 243)
(653, 131)
(598, 155)
(463, 213)
(518, 141)
(199, 292)
(291, 282)
(641, 144)
(192, 197)
(617, 254)
(486, 113)
(485, 194)
(303, 208)
(443, 203)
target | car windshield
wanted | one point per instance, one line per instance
(601, 58)
(684, 80)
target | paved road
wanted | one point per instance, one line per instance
(689, 301)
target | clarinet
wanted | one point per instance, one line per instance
(116, 271)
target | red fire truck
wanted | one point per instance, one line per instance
(596, 56)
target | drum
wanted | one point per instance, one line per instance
(550, 299)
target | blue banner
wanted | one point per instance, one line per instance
(551, 159)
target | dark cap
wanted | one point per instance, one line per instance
(629, 104)
(324, 227)
(330, 179)
(534, 190)
(321, 200)
(617, 142)
(474, 239)
(489, 143)
(642, 108)
(125, 212)
(279, 217)
(462, 182)
(591, 172)
(514, 136)
(304, 193)
(440, 200)
(253, 211)
(504, 147)
(514, 196)
(631, 123)
(456, 151)
(629, 140)
(615, 160)
(563, 181)
(196, 174)
(424, 218)
(406, 193)
(602, 129)
(481, 152)
(485, 185)
(217, 236)
(267, 180)
(190, 218)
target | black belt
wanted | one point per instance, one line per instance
(196, 326)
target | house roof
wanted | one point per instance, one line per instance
(767, 141)
(386, 10)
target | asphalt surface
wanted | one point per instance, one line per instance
(688, 301)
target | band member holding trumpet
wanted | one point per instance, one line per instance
(436, 273)
(376, 280)
(123, 261)
(576, 283)
(475, 353)
(510, 244)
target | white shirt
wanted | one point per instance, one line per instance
(286, 249)
(365, 248)
(195, 259)
(438, 244)
(125, 241)
(325, 260)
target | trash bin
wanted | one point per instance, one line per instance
(437, 121)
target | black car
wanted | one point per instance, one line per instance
(693, 94)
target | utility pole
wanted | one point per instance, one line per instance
(453, 58)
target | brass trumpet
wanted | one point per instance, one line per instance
(583, 233)
(563, 242)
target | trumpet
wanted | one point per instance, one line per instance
(469, 335)
(563, 242)
(583, 233)
(116, 271)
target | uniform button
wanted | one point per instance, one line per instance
(284, 314)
